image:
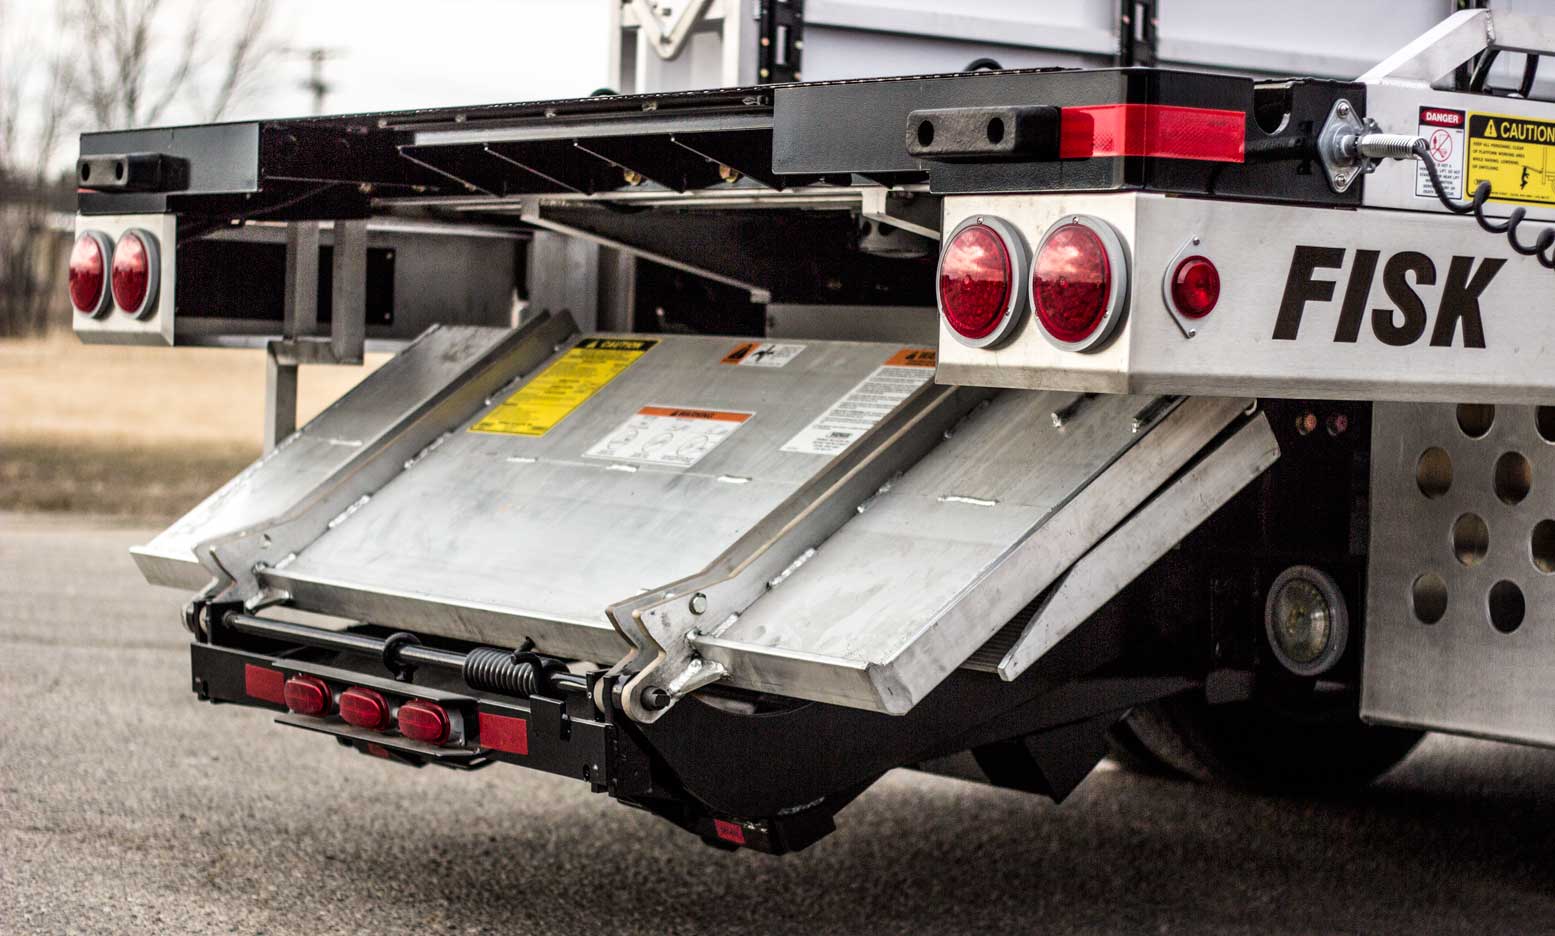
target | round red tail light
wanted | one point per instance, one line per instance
(1078, 283)
(1195, 287)
(364, 708)
(136, 263)
(424, 721)
(89, 261)
(307, 695)
(981, 271)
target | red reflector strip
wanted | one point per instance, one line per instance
(266, 684)
(1159, 130)
(729, 831)
(504, 733)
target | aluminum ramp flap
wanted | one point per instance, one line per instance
(939, 559)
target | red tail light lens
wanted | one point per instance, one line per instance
(89, 261)
(307, 695)
(980, 274)
(424, 721)
(1077, 283)
(1195, 287)
(364, 708)
(134, 278)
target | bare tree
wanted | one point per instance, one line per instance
(36, 101)
(106, 64)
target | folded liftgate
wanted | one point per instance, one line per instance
(818, 520)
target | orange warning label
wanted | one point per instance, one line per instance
(912, 357)
(668, 436)
(678, 413)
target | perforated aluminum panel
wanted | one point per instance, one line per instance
(1462, 501)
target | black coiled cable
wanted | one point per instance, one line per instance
(1542, 244)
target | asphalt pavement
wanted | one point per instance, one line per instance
(126, 806)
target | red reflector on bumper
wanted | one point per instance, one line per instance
(504, 733)
(731, 832)
(266, 684)
(364, 708)
(308, 695)
(1158, 130)
(424, 721)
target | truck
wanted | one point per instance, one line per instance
(744, 443)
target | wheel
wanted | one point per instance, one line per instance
(1132, 754)
(1259, 745)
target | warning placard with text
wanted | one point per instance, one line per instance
(1442, 130)
(1515, 155)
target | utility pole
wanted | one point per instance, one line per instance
(316, 84)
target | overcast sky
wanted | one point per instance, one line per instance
(424, 53)
(384, 54)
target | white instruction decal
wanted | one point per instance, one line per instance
(1442, 130)
(674, 436)
(866, 404)
(762, 354)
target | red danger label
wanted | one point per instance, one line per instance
(1439, 117)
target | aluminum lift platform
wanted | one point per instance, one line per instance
(818, 519)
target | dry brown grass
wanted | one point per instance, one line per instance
(135, 431)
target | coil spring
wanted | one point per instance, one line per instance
(496, 671)
(1476, 205)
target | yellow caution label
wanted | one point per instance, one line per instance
(536, 407)
(1515, 155)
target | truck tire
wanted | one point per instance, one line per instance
(1132, 754)
(1257, 746)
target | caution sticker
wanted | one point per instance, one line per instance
(673, 436)
(536, 407)
(866, 404)
(1442, 129)
(762, 354)
(1515, 155)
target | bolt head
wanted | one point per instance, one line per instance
(698, 603)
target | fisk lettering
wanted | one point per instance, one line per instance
(1403, 272)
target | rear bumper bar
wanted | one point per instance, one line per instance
(545, 720)
(538, 732)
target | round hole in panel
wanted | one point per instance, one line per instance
(1470, 539)
(1544, 421)
(1475, 419)
(1541, 546)
(1428, 598)
(1433, 472)
(1513, 477)
(1507, 606)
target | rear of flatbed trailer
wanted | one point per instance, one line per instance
(1225, 447)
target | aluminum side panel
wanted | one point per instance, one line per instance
(1482, 667)
(1234, 350)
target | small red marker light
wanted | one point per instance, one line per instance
(134, 276)
(424, 721)
(364, 708)
(731, 832)
(89, 273)
(308, 695)
(1195, 287)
